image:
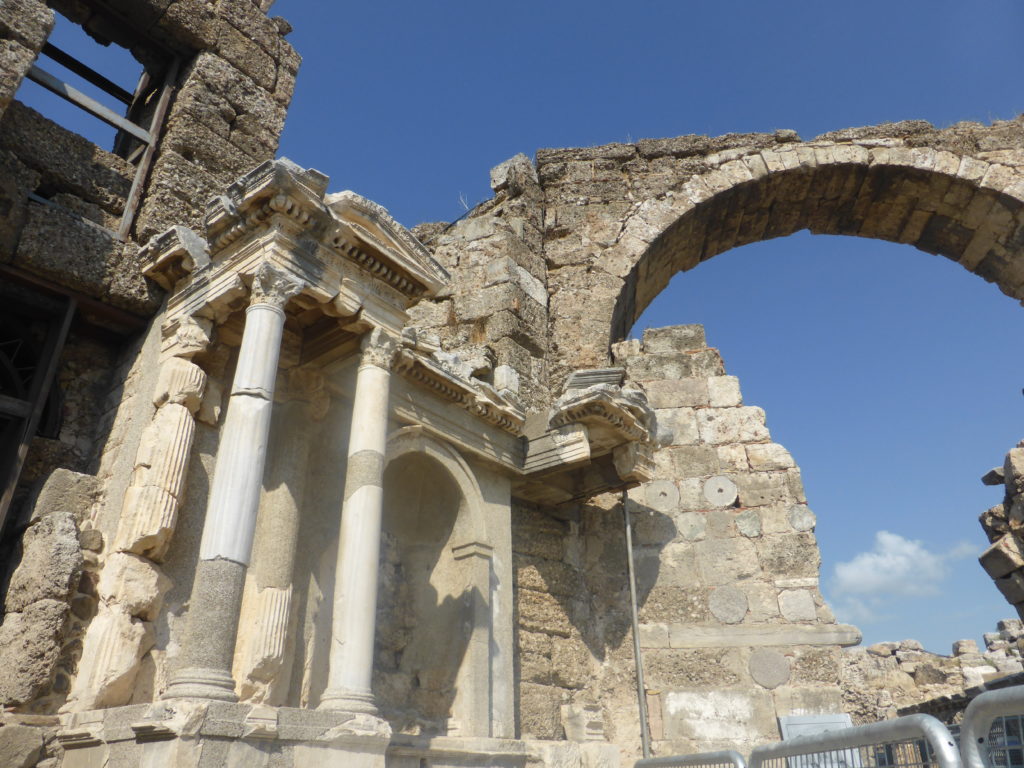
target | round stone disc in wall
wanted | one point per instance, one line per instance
(661, 496)
(728, 604)
(768, 668)
(801, 517)
(720, 491)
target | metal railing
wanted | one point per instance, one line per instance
(906, 742)
(915, 741)
(728, 757)
(975, 742)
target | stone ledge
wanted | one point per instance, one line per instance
(686, 636)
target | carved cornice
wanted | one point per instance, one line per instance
(477, 397)
(173, 255)
(622, 411)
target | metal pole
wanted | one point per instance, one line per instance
(641, 690)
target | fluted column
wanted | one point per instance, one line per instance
(208, 649)
(355, 584)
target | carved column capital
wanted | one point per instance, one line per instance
(379, 349)
(273, 287)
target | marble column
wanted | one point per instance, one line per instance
(208, 649)
(355, 582)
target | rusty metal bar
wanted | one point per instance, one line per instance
(131, 205)
(89, 104)
(86, 73)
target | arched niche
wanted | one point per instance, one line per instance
(432, 670)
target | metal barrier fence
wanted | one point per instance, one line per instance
(916, 741)
(726, 759)
(980, 747)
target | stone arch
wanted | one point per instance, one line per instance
(956, 206)
(939, 200)
(432, 671)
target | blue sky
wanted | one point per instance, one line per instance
(893, 376)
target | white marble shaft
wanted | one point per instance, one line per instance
(238, 476)
(355, 585)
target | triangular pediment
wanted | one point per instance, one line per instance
(372, 231)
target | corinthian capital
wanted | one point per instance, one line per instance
(273, 286)
(379, 349)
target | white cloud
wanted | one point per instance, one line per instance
(895, 567)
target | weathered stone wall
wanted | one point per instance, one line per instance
(734, 630)
(889, 679)
(494, 315)
(1004, 526)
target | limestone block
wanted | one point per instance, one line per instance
(748, 523)
(723, 561)
(793, 700)
(51, 562)
(767, 456)
(717, 715)
(724, 392)
(761, 488)
(789, 555)
(677, 393)
(691, 526)
(1012, 587)
(164, 451)
(733, 458)
(148, 517)
(691, 494)
(111, 654)
(960, 647)
(797, 605)
(732, 425)
(762, 601)
(720, 491)
(728, 604)
(540, 711)
(677, 426)
(769, 668)
(1003, 556)
(65, 491)
(30, 644)
(20, 745)
(540, 612)
(686, 461)
(134, 583)
(674, 338)
(180, 382)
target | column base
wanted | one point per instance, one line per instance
(344, 700)
(198, 683)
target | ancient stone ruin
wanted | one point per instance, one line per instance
(285, 483)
